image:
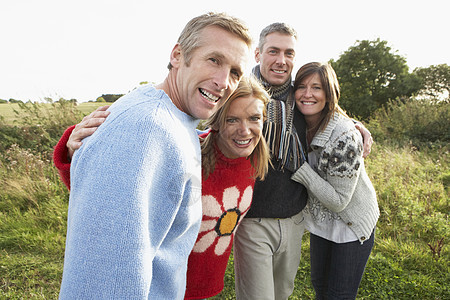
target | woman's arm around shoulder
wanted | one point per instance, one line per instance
(61, 157)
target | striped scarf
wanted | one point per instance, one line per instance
(279, 130)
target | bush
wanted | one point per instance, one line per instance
(40, 127)
(421, 123)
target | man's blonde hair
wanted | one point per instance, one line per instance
(190, 38)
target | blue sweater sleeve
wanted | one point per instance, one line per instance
(132, 211)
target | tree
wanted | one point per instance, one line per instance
(435, 82)
(74, 101)
(109, 97)
(371, 74)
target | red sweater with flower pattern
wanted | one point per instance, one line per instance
(226, 198)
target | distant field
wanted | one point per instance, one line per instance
(7, 109)
(88, 107)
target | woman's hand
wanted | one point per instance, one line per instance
(367, 138)
(85, 128)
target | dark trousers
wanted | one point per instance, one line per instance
(337, 269)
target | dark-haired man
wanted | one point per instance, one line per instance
(267, 246)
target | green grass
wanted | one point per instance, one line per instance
(33, 213)
(412, 185)
(7, 110)
(88, 107)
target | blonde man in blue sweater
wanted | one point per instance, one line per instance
(135, 207)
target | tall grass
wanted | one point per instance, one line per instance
(410, 259)
(33, 202)
(33, 213)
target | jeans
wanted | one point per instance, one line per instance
(337, 269)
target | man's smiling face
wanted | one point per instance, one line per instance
(213, 73)
(276, 58)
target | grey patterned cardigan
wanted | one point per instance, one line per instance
(340, 182)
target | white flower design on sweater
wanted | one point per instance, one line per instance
(226, 216)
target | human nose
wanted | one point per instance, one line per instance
(221, 80)
(281, 59)
(244, 128)
(308, 93)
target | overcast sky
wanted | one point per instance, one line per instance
(85, 48)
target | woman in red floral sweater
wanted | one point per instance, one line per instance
(234, 154)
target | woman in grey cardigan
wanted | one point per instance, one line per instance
(342, 209)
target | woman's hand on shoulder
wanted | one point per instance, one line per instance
(367, 138)
(86, 128)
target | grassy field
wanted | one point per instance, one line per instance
(7, 110)
(410, 259)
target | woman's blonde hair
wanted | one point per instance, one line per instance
(248, 86)
(330, 84)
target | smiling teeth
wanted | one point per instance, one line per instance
(279, 72)
(208, 96)
(242, 142)
(308, 103)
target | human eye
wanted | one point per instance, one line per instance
(255, 118)
(231, 120)
(236, 74)
(214, 60)
(290, 54)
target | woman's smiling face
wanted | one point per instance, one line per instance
(310, 97)
(243, 127)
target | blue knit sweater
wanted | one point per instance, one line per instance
(135, 206)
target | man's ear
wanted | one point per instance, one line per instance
(176, 56)
(257, 55)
